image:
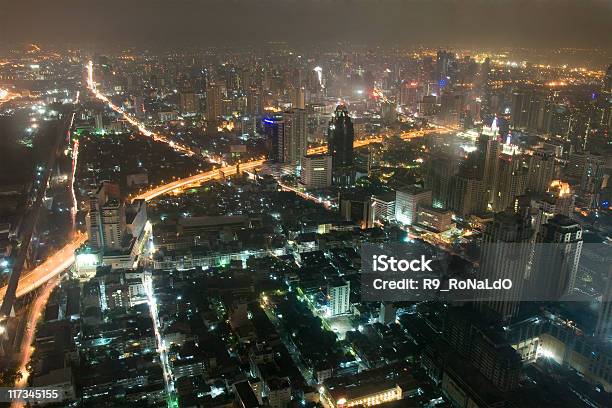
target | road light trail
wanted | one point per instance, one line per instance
(306, 196)
(53, 266)
(34, 314)
(63, 258)
(198, 178)
(379, 139)
(6, 95)
(178, 147)
(75, 158)
(161, 347)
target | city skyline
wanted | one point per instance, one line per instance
(314, 204)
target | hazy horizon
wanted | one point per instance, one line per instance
(536, 24)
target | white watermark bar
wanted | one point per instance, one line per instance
(540, 272)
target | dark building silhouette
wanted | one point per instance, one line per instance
(274, 128)
(340, 138)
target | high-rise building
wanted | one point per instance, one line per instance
(316, 171)
(445, 65)
(607, 84)
(340, 138)
(387, 313)
(298, 98)
(139, 108)
(603, 330)
(468, 194)
(274, 128)
(407, 201)
(511, 179)
(489, 149)
(99, 121)
(440, 169)
(294, 140)
(559, 199)
(188, 101)
(557, 252)
(469, 335)
(589, 169)
(339, 292)
(383, 207)
(106, 218)
(506, 251)
(357, 208)
(520, 108)
(254, 102)
(541, 171)
(214, 99)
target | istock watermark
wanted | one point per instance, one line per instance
(500, 272)
(384, 263)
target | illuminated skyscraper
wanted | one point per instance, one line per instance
(339, 292)
(489, 149)
(214, 97)
(511, 179)
(559, 199)
(294, 140)
(106, 218)
(298, 98)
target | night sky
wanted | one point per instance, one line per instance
(484, 23)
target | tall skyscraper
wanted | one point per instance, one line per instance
(294, 140)
(254, 102)
(489, 149)
(557, 253)
(387, 313)
(607, 85)
(274, 128)
(298, 98)
(603, 330)
(439, 171)
(511, 179)
(106, 218)
(99, 121)
(559, 199)
(188, 102)
(541, 171)
(468, 193)
(506, 251)
(214, 98)
(139, 108)
(340, 138)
